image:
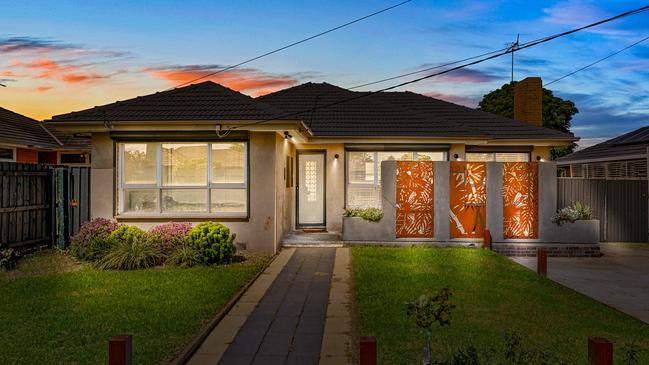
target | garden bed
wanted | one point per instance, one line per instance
(494, 298)
(56, 310)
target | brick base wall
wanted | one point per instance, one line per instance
(554, 250)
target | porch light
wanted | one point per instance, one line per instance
(287, 135)
(336, 156)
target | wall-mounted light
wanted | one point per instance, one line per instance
(336, 156)
(538, 158)
(287, 135)
(455, 156)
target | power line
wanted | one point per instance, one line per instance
(598, 61)
(509, 46)
(425, 69)
(503, 52)
(293, 44)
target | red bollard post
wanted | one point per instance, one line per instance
(487, 240)
(368, 351)
(600, 351)
(120, 350)
(542, 262)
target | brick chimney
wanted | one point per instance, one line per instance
(528, 101)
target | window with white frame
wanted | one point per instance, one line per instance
(183, 178)
(364, 173)
(497, 156)
(7, 154)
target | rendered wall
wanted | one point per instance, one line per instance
(259, 233)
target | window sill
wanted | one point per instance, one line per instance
(180, 217)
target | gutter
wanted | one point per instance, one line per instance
(51, 135)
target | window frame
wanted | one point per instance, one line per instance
(86, 156)
(376, 184)
(494, 153)
(160, 187)
(13, 153)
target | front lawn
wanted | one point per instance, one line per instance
(493, 296)
(54, 310)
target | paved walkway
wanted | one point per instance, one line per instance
(620, 278)
(287, 325)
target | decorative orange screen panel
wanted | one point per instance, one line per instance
(414, 199)
(520, 200)
(468, 197)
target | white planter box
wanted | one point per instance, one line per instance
(359, 229)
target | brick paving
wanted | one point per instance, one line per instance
(287, 325)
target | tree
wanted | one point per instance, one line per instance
(557, 112)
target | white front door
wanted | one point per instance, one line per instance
(311, 188)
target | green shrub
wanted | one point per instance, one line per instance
(184, 256)
(135, 251)
(91, 242)
(369, 214)
(8, 258)
(126, 233)
(212, 242)
(577, 211)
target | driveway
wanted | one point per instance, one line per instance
(620, 278)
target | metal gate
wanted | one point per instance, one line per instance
(468, 197)
(520, 200)
(620, 205)
(415, 196)
(42, 205)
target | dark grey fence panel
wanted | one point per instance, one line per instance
(626, 211)
(620, 205)
(79, 198)
(25, 205)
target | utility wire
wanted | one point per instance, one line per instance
(632, 12)
(598, 61)
(293, 44)
(426, 69)
(504, 52)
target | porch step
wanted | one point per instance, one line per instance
(312, 239)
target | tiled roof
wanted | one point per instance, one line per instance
(397, 114)
(622, 147)
(17, 129)
(203, 101)
(326, 109)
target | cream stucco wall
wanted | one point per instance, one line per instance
(257, 233)
(101, 176)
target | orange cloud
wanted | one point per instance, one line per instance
(42, 88)
(251, 81)
(50, 70)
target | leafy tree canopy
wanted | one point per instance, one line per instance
(557, 112)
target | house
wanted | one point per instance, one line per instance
(611, 177)
(289, 160)
(26, 140)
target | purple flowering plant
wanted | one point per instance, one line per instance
(91, 242)
(169, 236)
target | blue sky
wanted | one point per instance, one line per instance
(68, 55)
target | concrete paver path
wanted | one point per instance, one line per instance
(287, 325)
(620, 278)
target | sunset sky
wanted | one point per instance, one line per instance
(60, 56)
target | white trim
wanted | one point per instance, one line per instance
(14, 153)
(158, 185)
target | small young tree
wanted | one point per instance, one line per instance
(427, 311)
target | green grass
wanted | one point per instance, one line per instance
(56, 311)
(493, 295)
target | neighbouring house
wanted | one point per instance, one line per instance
(611, 177)
(25, 140)
(297, 158)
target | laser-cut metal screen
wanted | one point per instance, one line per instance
(468, 199)
(520, 200)
(414, 188)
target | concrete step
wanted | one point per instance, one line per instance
(314, 239)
